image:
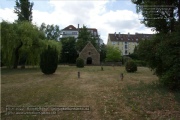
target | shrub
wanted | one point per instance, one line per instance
(49, 60)
(131, 66)
(80, 62)
(125, 59)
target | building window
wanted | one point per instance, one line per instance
(74, 33)
(125, 52)
(125, 46)
(89, 53)
(125, 42)
(64, 33)
(113, 43)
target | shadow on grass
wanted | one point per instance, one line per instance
(10, 71)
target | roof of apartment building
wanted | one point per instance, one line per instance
(70, 27)
(129, 37)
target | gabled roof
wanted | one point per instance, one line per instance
(88, 44)
(70, 27)
(129, 37)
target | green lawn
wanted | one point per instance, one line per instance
(136, 97)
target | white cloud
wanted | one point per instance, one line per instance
(7, 14)
(93, 14)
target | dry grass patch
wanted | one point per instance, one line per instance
(107, 96)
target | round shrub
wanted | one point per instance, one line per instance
(80, 62)
(131, 66)
(49, 60)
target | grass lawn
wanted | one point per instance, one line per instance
(109, 98)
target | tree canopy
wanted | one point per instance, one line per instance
(52, 32)
(113, 54)
(23, 9)
(83, 38)
(159, 14)
(68, 53)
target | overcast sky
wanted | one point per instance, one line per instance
(107, 16)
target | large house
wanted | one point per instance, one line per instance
(126, 42)
(71, 31)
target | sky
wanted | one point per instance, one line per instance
(107, 16)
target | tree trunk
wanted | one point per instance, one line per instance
(17, 56)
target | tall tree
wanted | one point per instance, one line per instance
(83, 38)
(68, 53)
(103, 50)
(52, 32)
(23, 9)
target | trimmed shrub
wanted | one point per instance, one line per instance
(49, 60)
(131, 66)
(80, 62)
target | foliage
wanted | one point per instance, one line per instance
(134, 54)
(113, 54)
(140, 62)
(52, 32)
(167, 21)
(83, 38)
(162, 55)
(103, 50)
(68, 53)
(23, 9)
(131, 66)
(19, 39)
(79, 62)
(49, 60)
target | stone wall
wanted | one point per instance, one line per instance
(90, 51)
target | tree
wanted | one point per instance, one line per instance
(162, 55)
(103, 50)
(83, 38)
(166, 19)
(134, 54)
(23, 9)
(113, 54)
(49, 60)
(19, 39)
(68, 53)
(52, 32)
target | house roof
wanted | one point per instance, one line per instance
(87, 46)
(70, 27)
(129, 37)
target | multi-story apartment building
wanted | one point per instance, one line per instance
(126, 42)
(71, 31)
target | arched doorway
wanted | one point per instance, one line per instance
(89, 61)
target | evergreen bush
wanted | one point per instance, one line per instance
(80, 62)
(49, 60)
(131, 66)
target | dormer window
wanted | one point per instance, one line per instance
(70, 27)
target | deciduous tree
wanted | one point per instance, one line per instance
(113, 54)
